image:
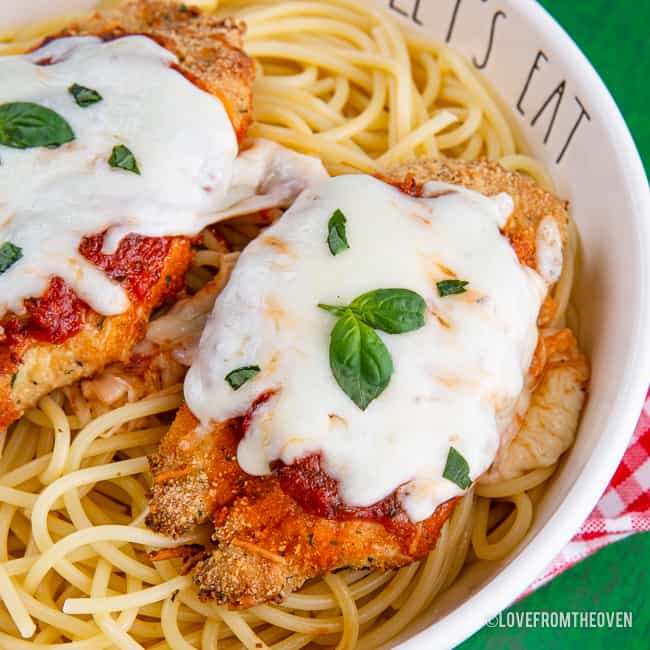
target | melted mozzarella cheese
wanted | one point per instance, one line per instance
(548, 246)
(181, 137)
(452, 378)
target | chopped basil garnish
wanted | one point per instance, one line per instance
(390, 310)
(450, 287)
(84, 96)
(238, 377)
(336, 237)
(123, 158)
(457, 469)
(360, 362)
(9, 255)
(24, 125)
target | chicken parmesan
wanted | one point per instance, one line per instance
(371, 355)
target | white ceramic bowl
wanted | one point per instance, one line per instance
(571, 123)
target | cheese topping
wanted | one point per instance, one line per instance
(452, 378)
(548, 248)
(180, 136)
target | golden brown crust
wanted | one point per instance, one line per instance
(268, 546)
(46, 366)
(209, 50)
(193, 474)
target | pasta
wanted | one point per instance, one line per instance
(340, 80)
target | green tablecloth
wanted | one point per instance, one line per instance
(615, 36)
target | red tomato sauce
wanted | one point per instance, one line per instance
(318, 494)
(59, 313)
(53, 318)
(252, 409)
(136, 264)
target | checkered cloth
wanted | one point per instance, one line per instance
(623, 509)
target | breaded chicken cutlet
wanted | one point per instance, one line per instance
(209, 50)
(60, 339)
(266, 544)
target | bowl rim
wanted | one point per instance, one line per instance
(529, 563)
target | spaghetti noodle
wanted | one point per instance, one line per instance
(337, 79)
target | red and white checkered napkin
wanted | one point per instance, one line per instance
(623, 509)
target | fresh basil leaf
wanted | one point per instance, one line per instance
(450, 287)
(9, 255)
(238, 377)
(391, 310)
(24, 125)
(457, 469)
(123, 158)
(84, 96)
(360, 362)
(336, 238)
